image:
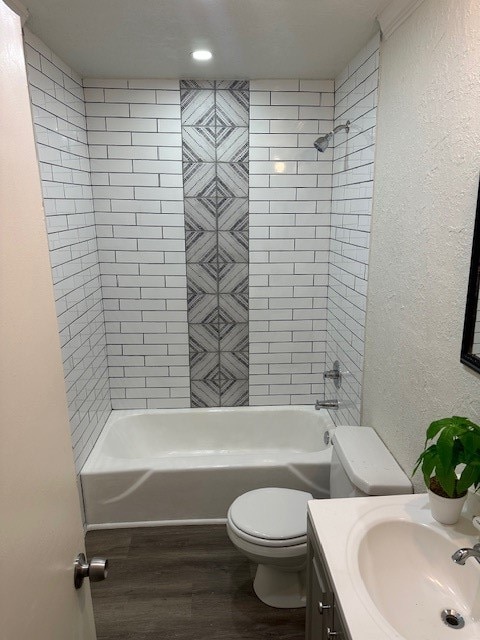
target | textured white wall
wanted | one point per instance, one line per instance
(426, 180)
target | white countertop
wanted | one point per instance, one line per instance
(340, 523)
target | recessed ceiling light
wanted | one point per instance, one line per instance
(202, 54)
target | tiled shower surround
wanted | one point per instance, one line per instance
(137, 144)
(355, 100)
(134, 134)
(58, 110)
(290, 202)
(231, 271)
(215, 119)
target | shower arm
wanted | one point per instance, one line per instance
(322, 143)
(341, 127)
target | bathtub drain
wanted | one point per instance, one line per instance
(452, 619)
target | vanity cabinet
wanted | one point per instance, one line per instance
(323, 614)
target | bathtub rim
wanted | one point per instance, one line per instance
(91, 463)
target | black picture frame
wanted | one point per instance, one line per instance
(466, 355)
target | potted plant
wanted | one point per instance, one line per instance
(450, 465)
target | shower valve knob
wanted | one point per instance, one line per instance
(96, 570)
(334, 374)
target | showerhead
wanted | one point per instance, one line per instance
(321, 143)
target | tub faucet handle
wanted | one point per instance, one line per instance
(334, 374)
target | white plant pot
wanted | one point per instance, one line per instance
(446, 510)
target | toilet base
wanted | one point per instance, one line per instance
(280, 589)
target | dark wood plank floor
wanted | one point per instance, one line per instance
(186, 583)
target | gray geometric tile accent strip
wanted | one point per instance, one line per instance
(204, 337)
(233, 85)
(197, 84)
(205, 393)
(232, 214)
(198, 107)
(232, 144)
(233, 307)
(198, 144)
(215, 157)
(203, 277)
(234, 393)
(233, 365)
(202, 307)
(204, 366)
(233, 246)
(232, 179)
(233, 337)
(232, 108)
(232, 277)
(201, 246)
(201, 214)
(199, 179)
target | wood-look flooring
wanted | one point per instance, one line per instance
(185, 583)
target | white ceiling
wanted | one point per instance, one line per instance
(249, 38)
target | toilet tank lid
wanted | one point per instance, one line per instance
(368, 463)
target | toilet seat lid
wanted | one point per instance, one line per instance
(272, 513)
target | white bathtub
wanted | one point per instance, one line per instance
(188, 465)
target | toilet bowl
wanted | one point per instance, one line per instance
(269, 526)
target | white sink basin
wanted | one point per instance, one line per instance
(409, 574)
(392, 571)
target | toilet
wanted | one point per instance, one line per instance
(269, 525)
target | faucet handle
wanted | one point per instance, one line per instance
(334, 374)
(476, 522)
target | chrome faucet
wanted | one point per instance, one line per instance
(334, 374)
(461, 555)
(326, 404)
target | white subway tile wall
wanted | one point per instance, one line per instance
(60, 130)
(353, 164)
(134, 134)
(290, 205)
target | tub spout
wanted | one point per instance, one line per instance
(326, 404)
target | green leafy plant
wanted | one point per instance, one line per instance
(457, 442)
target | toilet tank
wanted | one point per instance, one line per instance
(363, 466)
